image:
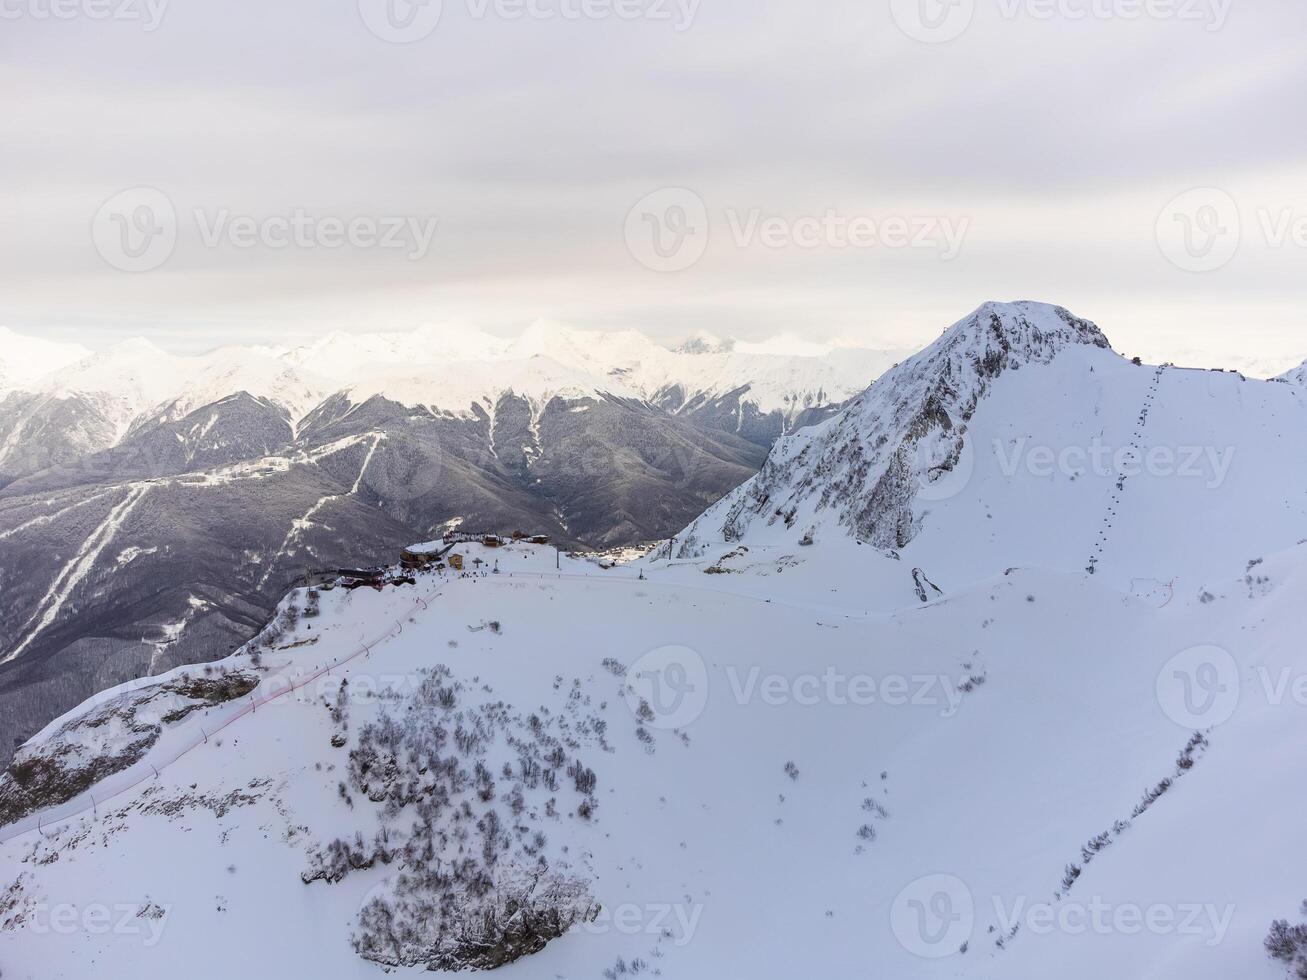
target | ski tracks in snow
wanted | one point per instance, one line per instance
(51, 518)
(72, 575)
(301, 524)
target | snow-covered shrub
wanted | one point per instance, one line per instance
(478, 923)
(1188, 757)
(1288, 944)
(1069, 878)
(472, 889)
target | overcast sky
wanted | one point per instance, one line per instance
(204, 173)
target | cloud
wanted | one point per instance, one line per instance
(1059, 138)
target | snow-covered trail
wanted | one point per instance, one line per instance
(76, 570)
(998, 793)
(1135, 450)
(301, 524)
(14, 439)
(51, 518)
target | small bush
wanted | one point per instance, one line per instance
(1288, 944)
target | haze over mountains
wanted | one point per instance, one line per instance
(154, 507)
(1005, 533)
(453, 371)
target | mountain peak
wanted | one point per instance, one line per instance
(902, 435)
(703, 343)
(1024, 325)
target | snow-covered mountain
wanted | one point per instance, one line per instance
(155, 506)
(1021, 438)
(993, 674)
(450, 368)
(63, 402)
(24, 360)
(97, 401)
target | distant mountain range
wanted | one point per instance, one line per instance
(154, 507)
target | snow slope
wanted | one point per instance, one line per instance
(707, 856)
(1297, 376)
